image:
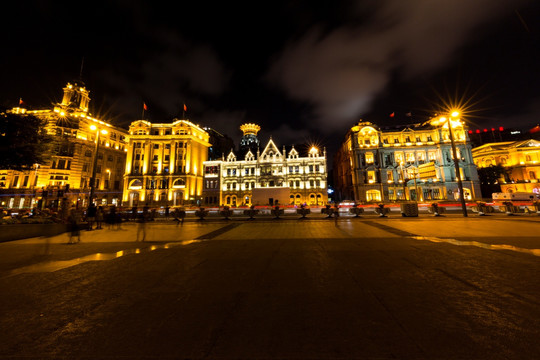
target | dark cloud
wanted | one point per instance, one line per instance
(342, 71)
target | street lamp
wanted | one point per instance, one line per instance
(94, 165)
(455, 115)
(403, 181)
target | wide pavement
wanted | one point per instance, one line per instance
(359, 288)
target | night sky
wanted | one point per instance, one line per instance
(304, 71)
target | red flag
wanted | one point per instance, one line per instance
(392, 115)
(20, 101)
(185, 107)
(145, 107)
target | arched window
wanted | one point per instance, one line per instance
(179, 183)
(135, 184)
(373, 195)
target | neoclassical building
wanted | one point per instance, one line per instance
(520, 159)
(164, 165)
(85, 148)
(409, 163)
(270, 177)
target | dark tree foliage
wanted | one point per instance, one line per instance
(490, 175)
(489, 179)
(23, 141)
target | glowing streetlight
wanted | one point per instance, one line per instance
(94, 166)
(455, 115)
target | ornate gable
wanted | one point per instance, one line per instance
(270, 152)
(293, 154)
(527, 144)
(249, 156)
(231, 156)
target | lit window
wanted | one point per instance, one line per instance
(369, 158)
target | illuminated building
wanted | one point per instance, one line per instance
(520, 159)
(249, 140)
(268, 177)
(410, 163)
(164, 163)
(69, 170)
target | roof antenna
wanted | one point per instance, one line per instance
(82, 65)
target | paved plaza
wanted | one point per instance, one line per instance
(359, 288)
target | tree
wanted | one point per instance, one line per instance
(24, 141)
(489, 179)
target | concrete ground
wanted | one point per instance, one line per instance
(359, 288)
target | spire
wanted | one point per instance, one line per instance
(80, 73)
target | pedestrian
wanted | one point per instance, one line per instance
(179, 214)
(134, 213)
(109, 217)
(118, 219)
(91, 216)
(99, 217)
(141, 226)
(167, 212)
(73, 226)
(336, 213)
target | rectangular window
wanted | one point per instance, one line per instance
(369, 158)
(409, 157)
(25, 181)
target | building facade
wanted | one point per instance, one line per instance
(410, 163)
(85, 148)
(269, 177)
(520, 161)
(164, 165)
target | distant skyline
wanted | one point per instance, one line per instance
(304, 72)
